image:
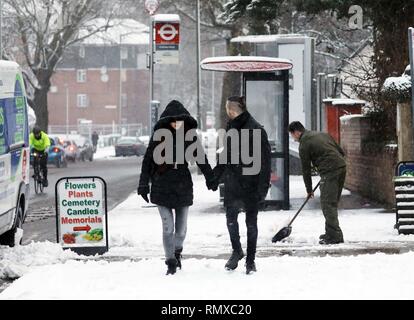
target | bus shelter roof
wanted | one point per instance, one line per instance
(246, 64)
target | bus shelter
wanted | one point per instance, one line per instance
(266, 88)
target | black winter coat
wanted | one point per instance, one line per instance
(171, 185)
(243, 191)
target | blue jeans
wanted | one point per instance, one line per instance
(173, 233)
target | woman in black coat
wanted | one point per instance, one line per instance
(171, 183)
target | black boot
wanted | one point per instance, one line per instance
(234, 260)
(327, 240)
(178, 256)
(250, 267)
(172, 266)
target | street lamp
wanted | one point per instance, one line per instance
(67, 110)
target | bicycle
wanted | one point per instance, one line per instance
(37, 177)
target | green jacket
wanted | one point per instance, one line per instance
(40, 145)
(320, 150)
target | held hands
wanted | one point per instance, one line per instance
(311, 195)
(212, 184)
(143, 191)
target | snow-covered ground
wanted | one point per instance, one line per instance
(105, 153)
(134, 267)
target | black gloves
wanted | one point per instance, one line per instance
(143, 192)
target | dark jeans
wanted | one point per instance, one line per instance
(232, 214)
(41, 160)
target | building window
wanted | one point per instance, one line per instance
(124, 53)
(81, 76)
(83, 101)
(124, 100)
(82, 52)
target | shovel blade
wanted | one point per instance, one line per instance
(282, 234)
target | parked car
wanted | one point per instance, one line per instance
(14, 154)
(71, 150)
(86, 150)
(129, 146)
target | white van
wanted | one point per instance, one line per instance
(14, 153)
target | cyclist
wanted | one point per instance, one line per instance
(40, 143)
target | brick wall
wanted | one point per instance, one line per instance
(369, 174)
(103, 97)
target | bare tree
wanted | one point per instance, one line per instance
(44, 30)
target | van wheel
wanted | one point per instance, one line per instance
(7, 239)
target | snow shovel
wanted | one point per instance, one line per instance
(286, 231)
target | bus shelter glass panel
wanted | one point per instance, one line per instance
(265, 101)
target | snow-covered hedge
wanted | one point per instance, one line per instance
(398, 88)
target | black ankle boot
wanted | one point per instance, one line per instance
(250, 267)
(233, 262)
(178, 256)
(172, 266)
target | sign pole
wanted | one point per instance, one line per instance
(411, 50)
(151, 63)
(198, 68)
(151, 6)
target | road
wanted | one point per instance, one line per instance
(121, 176)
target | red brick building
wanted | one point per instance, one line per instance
(101, 74)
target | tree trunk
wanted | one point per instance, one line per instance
(40, 103)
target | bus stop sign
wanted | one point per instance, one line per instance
(167, 38)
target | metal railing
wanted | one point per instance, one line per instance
(108, 134)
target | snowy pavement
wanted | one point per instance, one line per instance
(296, 269)
(104, 153)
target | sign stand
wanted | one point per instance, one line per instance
(82, 215)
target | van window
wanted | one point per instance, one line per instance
(16, 120)
(3, 127)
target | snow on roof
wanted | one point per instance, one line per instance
(166, 17)
(246, 64)
(266, 38)
(346, 102)
(125, 31)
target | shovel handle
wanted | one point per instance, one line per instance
(304, 204)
